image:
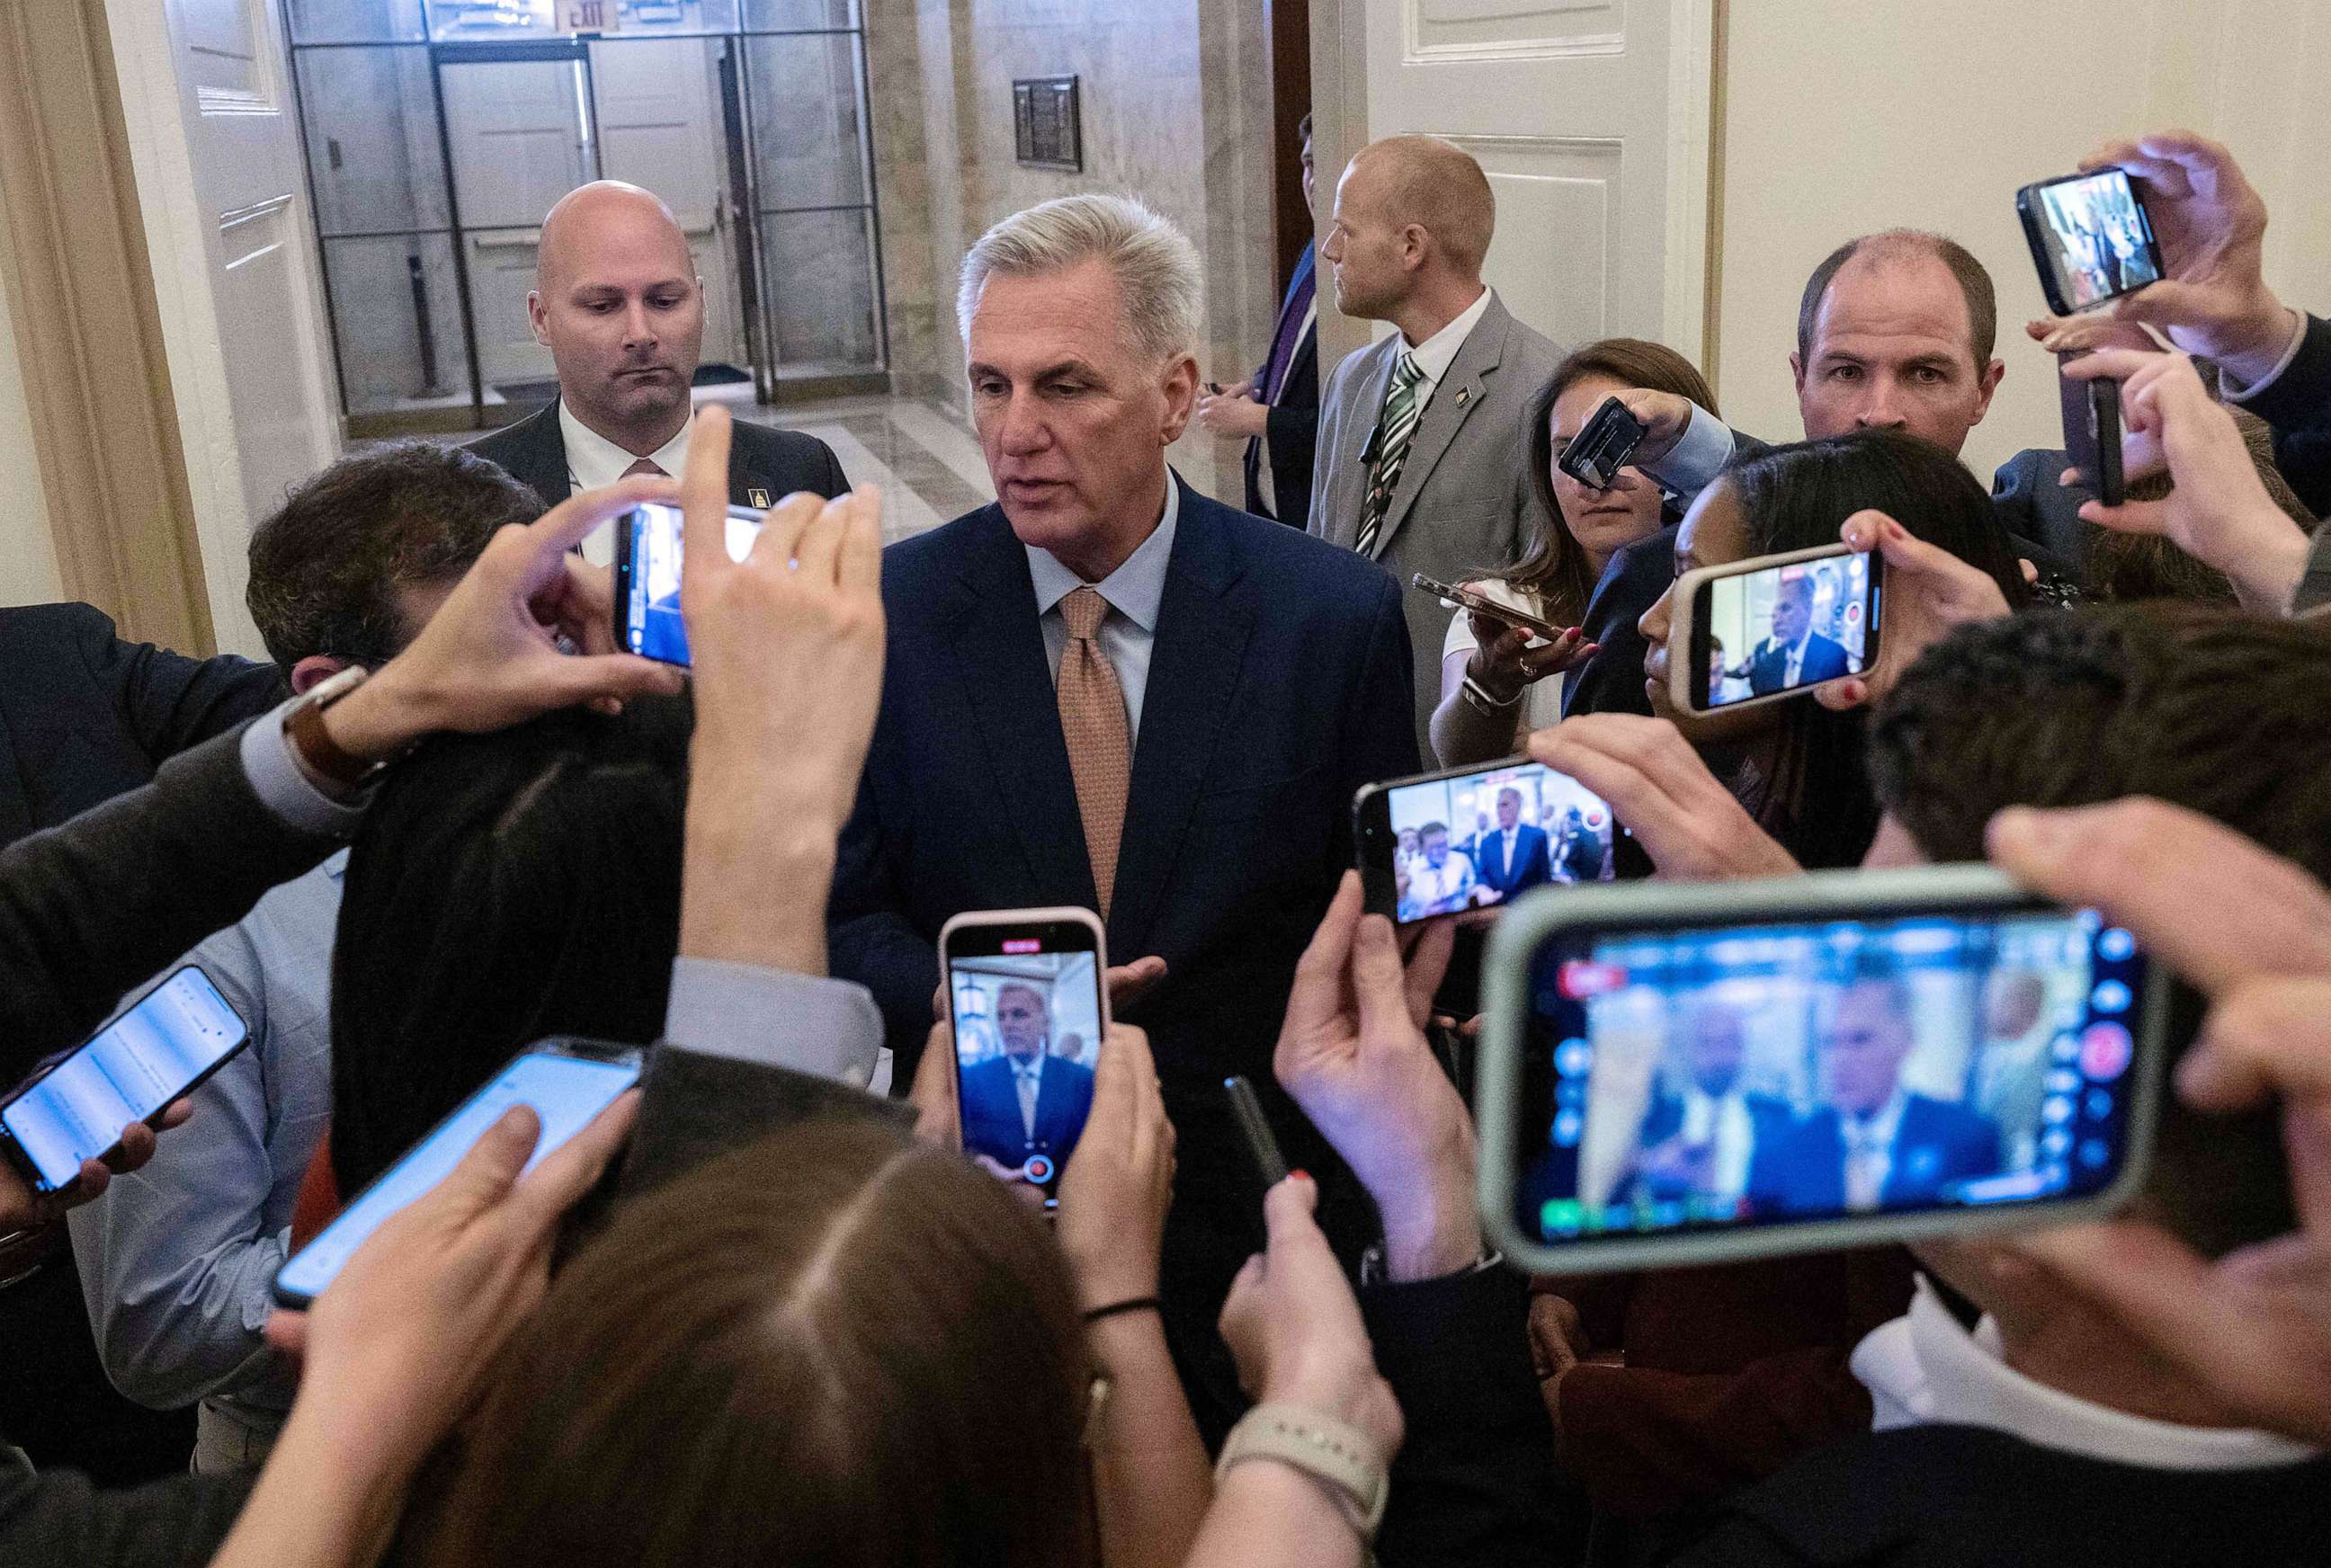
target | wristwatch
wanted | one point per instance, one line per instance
(1340, 1458)
(1480, 697)
(319, 752)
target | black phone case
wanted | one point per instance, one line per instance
(1608, 438)
(2092, 435)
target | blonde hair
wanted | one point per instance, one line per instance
(1155, 266)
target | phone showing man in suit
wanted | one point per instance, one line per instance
(1025, 1001)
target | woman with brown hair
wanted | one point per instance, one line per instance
(1493, 684)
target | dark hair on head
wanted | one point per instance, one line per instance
(1429, 828)
(836, 1347)
(326, 569)
(502, 888)
(1817, 800)
(1556, 566)
(1303, 129)
(1973, 280)
(2201, 705)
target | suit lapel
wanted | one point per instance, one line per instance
(1453, 403)
(1007, 690)
(748, 484)
(1193, 672)
(545, 459)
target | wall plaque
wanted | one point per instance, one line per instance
(1045, 124)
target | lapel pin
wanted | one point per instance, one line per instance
(759, 498)
(1462, 393)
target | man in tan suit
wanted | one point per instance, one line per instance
(1421, 444)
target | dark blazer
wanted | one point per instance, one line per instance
(85, 716)
(1936, 1144)
(1824, 660)
(1533, 861)
(1769, 1119)
(991, 1111)
(2035, 510)
(1476, 1480)
(1928, 1497)
(2298, 404)
(1291, 435)
(772, 462)
(1610, 679)
(1278, 684)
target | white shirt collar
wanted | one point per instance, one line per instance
(593, 461)
(1925, 1369)
(1032, 1067)
(1887, 1123)
(1437, 353)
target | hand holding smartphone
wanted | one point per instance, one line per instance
(568, 1081)
(1027, 1008)
(1604, 445)
(2092, 431)
(161, 1050)
(1480, 604)
(1774, 627)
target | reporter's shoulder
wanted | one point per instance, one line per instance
(773, 443)
(29, 624)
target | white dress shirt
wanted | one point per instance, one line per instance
(1796, 660)
(593, 461)
(1541, 699)
(1869, 1150)
(1724, 1123)
(1431, 886)
(1028, 1082)
(1437, 353)
(1923, 1369)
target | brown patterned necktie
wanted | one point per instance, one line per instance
(1093, 723)
(644, 465)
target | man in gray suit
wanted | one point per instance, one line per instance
(1420, 457)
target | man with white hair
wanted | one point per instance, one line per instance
(1106, 690)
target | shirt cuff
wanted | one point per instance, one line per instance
(285, 790)
(1698, 456)
(2289, 352)
(830, 1028)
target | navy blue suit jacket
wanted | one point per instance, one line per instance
(1936, 1144)
(991, 1111)
(1532, 859)
(1824, 660)
(1277, 687)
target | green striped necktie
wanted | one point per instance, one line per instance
(1393, 430)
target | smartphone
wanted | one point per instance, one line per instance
(1246, 1109)
(1682, 1074)
(1441, 843)
(160, 1050)
(1027, 1006)
(2092, 431)
(2090, 238)
(1774, 627)
(1604, 445)
(648, 552)
(1468, 599)
(696, 1106)
(567, 1080)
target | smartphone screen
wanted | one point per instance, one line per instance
(647, 577)
(2091, 238)
(564, 1090)
(1765, 632)
(1681, 1078)
(175, 1036)
(1025, 1001)
(1456, 841)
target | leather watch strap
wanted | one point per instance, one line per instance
(1341, 1457)
(323, 755)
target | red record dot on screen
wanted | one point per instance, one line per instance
(1038, 1169)
(2105, 1051)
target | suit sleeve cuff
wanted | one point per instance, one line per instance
(811, 1024)
(285, 790)
(1699, 455)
